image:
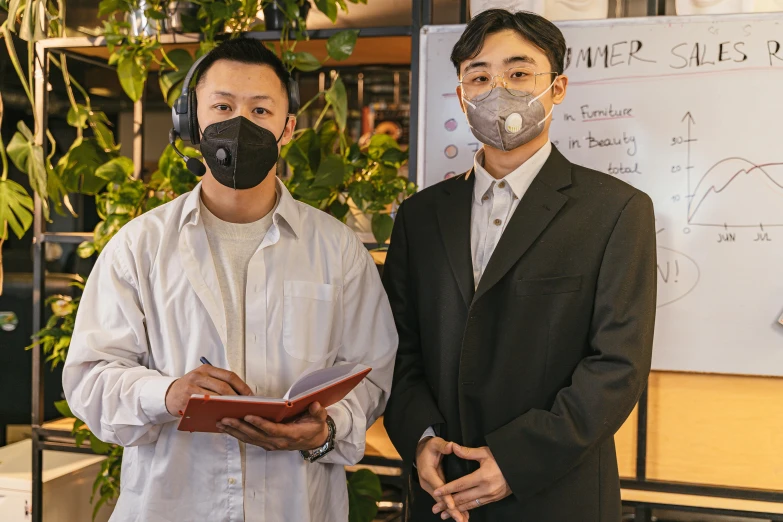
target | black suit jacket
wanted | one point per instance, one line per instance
(546, 359)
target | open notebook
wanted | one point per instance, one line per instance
(326, 386)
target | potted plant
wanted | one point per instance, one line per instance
(280, 13)
(181, 16)
(335, 175)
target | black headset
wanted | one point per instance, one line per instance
(184, 114)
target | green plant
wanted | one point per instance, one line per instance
(297, 24)
(171, 79)
(327, 174)
(16, 206)
(132, 54)
(74, 172)
(364, 493)
(55, 338)
(126, 197)
(107, 483)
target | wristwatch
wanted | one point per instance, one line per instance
(318, 453)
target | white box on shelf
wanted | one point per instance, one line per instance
(67, 485)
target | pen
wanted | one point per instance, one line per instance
(205, 361)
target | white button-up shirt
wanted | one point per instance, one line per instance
(152, 307)
(494, 202)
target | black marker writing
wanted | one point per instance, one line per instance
(773, 47)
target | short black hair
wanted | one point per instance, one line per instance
(534, 28)
(249, 51)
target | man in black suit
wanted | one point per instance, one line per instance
(524, 297)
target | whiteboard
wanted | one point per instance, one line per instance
(689, 110)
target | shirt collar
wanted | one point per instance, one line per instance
(286, 209)
(519, 179)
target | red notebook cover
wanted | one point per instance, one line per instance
(203, 412)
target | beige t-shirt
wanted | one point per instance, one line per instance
(232, 246)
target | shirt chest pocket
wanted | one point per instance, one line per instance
(309, 314)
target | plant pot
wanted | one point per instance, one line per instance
(274, 18)
(140, 23)
(304, 10)
(181, 17)
(359, 222)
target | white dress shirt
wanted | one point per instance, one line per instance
(494, 202)
(152, 307)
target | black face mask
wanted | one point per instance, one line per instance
(239, 153)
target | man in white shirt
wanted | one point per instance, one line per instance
(263, 287)
(524, 296)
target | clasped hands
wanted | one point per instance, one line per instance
(306, 432)
(456, 499)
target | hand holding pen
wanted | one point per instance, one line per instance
(204, 380)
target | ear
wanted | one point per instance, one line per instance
(459, 97)
(559, 89)
(288, 133)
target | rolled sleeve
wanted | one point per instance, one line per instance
(343, 420)
(153, 399)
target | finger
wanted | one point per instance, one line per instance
(470, 495)
(304, 427)
(463, 499)
(215, 386)
(455, 514)
(429, 475)
(442, 446)
(425, 485)
(316, 410)
(256, 436)
(470, 453)
(232, 379)
(468, 506)
(442, 506)
(294, 435)
(429, 481)
(246, 428)
(244, 438)
(468, 482)
(448, 512)
(198, 390)
(441, 474)
(233, 432)
(272, 429)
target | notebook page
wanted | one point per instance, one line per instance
(322, 378)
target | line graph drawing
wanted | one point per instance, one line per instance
(734, 192)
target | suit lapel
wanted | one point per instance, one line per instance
(538, 207)
(454, 204)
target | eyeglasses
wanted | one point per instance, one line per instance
(518, 81)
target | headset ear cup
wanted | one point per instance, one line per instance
(293, 96)
(193, 129)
